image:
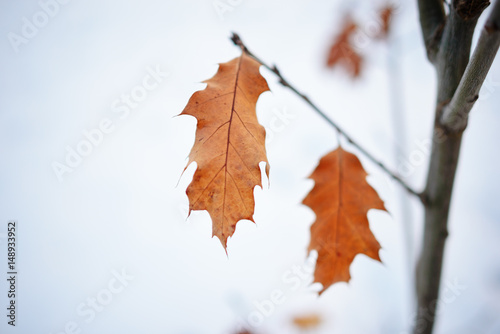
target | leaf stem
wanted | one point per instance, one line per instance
(237, 41)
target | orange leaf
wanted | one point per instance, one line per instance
(341, 198)
(307, 321)
(229, 145)
(386, 17)
(342, 53)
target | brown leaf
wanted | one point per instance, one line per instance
(342, 53)
(307, 321)
(341, 198)
(386, 19)
(229, 145)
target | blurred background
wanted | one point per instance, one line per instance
(91, 156)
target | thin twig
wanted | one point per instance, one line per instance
(237, 41)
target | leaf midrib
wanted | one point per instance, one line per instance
(228, 142)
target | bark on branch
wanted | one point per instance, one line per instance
(432, 20)
(451, 61)
(455, 114)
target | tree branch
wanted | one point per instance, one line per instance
(454, 49)
(237, 41)
(455, 114)
(432, 20)
(451, 62)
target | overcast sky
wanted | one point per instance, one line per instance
(103, 241)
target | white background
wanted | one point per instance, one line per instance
(121, 206)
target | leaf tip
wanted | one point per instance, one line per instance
(223, 241)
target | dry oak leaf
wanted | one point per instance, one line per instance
(386, 15)
(341, 198)
(229, 145)
(342, 53)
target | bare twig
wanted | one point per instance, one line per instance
(456, 113)
(432, 20)
(237, 41)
